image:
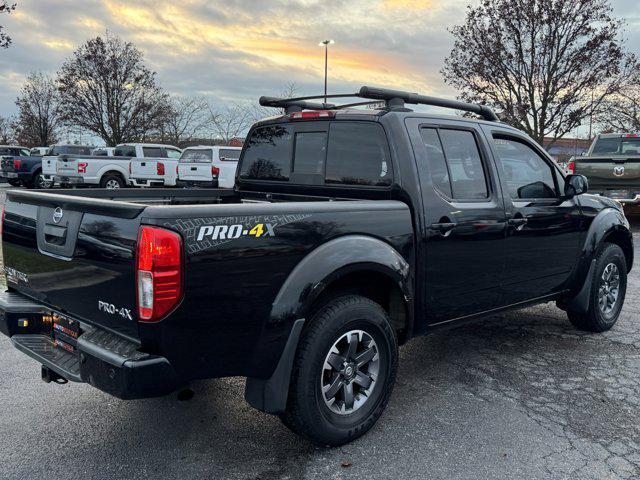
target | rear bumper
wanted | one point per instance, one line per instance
(196, 184)
(145, 182)
(68, 180)
(624, 197)
(107, 361)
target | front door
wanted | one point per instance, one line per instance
(464, 220)
(543, 228)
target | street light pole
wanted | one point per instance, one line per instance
(326, 44)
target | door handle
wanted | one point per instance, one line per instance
(518, 223)
(444, 228)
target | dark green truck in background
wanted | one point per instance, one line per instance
(612, 166)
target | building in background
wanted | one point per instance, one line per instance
(564, 148)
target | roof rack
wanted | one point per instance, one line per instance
(394, 100)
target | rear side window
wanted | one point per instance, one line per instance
(125, 151)
(154, 152)
(200, 155)
(455, 163)
(227, 154)
(357, 154)
(268, 154)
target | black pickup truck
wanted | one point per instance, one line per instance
(349, 232)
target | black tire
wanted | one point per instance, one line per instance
(39, 182)
(598, 319)
(110, 179)
(14, 182)
(307, 412)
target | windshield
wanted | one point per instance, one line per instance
(201, 155)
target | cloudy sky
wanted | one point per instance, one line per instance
(237, 50)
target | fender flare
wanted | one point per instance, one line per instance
(332, 260)
(114, 168)
(304, 284)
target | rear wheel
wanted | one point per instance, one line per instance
(111, 181)
(608, 290)
(344, 371)
(40, 182)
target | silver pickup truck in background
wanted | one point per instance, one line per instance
(105, 171)
(612, 166)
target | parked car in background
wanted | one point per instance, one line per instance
(49, 160)
(349, 232)
(8, 153)
(612, 166)
(158, 167)
(205, 166)
(106, 172)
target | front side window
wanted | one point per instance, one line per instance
(268, 154)
(358, 154)
(526, 173)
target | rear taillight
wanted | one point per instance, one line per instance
(82, 167)
(2, 221)
(571, 167)
(17, 164)
(158, 272)
(215, 171)
(160, 168)
(129, 167)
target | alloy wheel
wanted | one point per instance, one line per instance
(609, 289)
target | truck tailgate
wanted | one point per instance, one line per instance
(67, 166)
(75, 255)
(610, 172)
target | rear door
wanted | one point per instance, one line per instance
(195, 165)
(543, 230)
(464, 217)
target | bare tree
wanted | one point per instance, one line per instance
(231, 121)
(537, 62)
(7, 130)
(5, 7)
(38, 121)
(290, 90)
(107, 90)
(621, 112)
(185, 119)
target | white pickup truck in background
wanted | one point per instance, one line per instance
(205, 166)
(159, 169)
(104, 171)
(50, 157)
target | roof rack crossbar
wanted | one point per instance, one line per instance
(394, 100)
(397, 96)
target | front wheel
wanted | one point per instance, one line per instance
(608, 290)
(343, 373)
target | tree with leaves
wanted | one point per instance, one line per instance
(5, 7)
(38, 121)
(538, 62)
(107, 90)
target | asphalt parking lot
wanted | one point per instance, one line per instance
(521, 395)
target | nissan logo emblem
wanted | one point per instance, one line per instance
(57, 215)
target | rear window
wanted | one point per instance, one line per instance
(228, 154)
(630, 146)
(77, 150)
(348, 153)
(607, 146)
(197, 156)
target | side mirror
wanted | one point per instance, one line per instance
(575, 185)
